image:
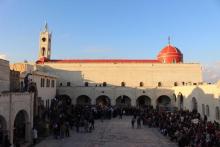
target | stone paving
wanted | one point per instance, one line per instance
(112, 133)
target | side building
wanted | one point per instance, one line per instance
(16, 110)
(42, 83)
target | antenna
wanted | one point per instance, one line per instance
(169, 40)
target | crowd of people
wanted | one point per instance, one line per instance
(184, 127)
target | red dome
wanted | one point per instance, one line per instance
(170, 54)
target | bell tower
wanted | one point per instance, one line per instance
(45, 44)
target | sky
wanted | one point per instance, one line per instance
(127, 29)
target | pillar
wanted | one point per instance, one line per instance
(133, 102)
(28, 131)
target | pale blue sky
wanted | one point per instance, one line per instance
(133, 29)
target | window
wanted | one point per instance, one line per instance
(104, 84)
(159, 84)
(123, 84)
(207, 110)
(44, 39)
(141, 84)
(175, 84)
(68, 83)
(86, 84)
(217, 113)
(42, 80)
(203, 109)
(48, 83)
(183, 83)
(43, 51)
(164, 61)
(61, 84)
(52, 83)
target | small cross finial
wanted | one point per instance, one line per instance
(169, 40)
(45, 27)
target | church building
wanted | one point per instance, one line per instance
(120, 82)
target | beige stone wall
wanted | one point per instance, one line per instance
(131, 73)
(4, 75)
(114, 92)
(45, 93)
(10, 105)
(204, 94)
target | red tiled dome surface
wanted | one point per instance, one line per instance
(170, 54)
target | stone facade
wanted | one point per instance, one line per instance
(205, 98)
(45, 82)
(14, 81)
(10, 106)
(119, 80)
(4, 75)
(140, 79)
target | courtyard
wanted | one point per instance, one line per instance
(112, 133)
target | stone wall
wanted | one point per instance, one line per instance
(10, 105)
(205, 95)
(114, 92)
(4, 75)
(132, 74)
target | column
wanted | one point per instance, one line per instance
(28, 132)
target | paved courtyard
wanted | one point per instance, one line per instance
(112, 133)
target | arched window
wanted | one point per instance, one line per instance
(175, 84)
(159, 84)
(207, 110)
(194, 105)
(123, 84)
(61, 84)
(174, 97)
(164, 61)
(203, 109)
(104, 84)
(44, 39)
(86, 84)
(141, 84)
(217, 113)
(43, 51)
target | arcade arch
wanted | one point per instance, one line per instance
(123, 101)
(143, 101)
(65, 99)
(83, 100)
(103, 100)
(163, 101)
(21, 127)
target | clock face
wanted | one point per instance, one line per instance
(44, 39)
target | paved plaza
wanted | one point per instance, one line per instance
(112, 133)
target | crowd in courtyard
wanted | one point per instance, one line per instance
(184, 127)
